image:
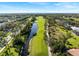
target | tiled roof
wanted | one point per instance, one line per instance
(73, 52)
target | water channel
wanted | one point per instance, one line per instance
(26, 45)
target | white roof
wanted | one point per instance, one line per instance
(75, 28)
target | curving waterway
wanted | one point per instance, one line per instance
(25, 47)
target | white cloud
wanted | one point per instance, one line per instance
(40, 11)
(44, 8)
(66, 5)
(57, 4)
(23, 11)
(39, 3)
(64, 11)
(69, 6)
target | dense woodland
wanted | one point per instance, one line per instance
(61, 36)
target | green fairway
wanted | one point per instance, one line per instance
(38, 46)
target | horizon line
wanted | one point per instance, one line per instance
(35, 13)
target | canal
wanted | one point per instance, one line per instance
(25, 47)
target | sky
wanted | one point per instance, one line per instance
(39, 7)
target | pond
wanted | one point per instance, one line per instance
(33, 30)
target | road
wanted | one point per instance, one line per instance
(49, 53)
(5, 46)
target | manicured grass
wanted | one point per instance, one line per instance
(38, 46)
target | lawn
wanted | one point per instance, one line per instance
(38, 46)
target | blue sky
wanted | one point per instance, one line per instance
(39, 7)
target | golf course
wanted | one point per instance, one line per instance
(37, 45)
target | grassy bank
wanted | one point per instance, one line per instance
(38, 46)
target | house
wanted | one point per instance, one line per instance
(8, 37)
(73, 52)
(75, 30)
